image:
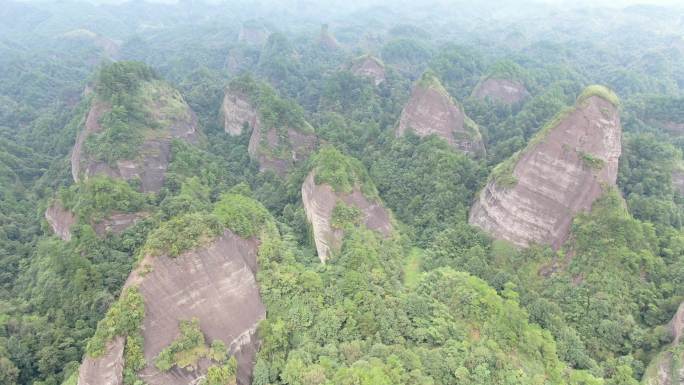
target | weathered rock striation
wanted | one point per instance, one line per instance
(172, 118)
(431, 110)
(666, 368)
(215, 284)
(237, 111)
(534, 196)
(370, 67)
(117, 223)
(501, 91)
(60, 220)
(357, 197)
(320, 201)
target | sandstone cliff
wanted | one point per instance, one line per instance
(534, 196)
(666, 368)
(168, 117)
(370, 67)
(431, 110)
(501, 91)
(214, 284)
(60, 220)
(321, 200)
(326, 40)
(237, 111)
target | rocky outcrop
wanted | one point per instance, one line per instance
(666, 368)
(326, 40)
(237, 111)
(278, 149)
(369, 67)
(501, 91)
(174, 119)
(107, 369)
(216, 284)
(534, 196)
(678, 180)
(319, 202)
(431, 110)
(60, 220)
(117, 223)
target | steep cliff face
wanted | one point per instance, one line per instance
(431, 110)
(370, 67)
(338, 192)
(60, 220)
(326, 40)
(666, 367)
(534, 196)
(278, 149)
(501, 91)
(117, 223)
(237, 111)
(168, 117)
(214, 284)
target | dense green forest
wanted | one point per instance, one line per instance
(435, 301)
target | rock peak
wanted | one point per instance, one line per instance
(431, 110)
(534, 196)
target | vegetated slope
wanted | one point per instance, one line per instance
(431, 110)
(192, 305)
(666, 368)
(534, 196)
(128, 130)
(501, 91)
(280, 136)
(370, 67)
(338, 193)
(504, 84)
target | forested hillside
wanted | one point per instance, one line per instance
(347, 193)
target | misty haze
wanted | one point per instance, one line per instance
(345, 192)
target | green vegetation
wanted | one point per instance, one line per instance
(186, 350)
(440, 302)
(600, 91)
(341, 172)
(591, 161)
(222, 375)
(344, 215)
(241, 214)
(182, 233)
(95, 198)
(124, 318)
(508, 70)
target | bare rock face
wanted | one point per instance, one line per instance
(561, 173)
(327, 40)
(277, 152)
(678, 180)
(664, 370)
(155, 152)
(215, 284)
(501, 91)
(107, 369)
(431, 110)
(60, 220)
(117, 223)
(319, 203)
(370, 67)
(237, 110)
